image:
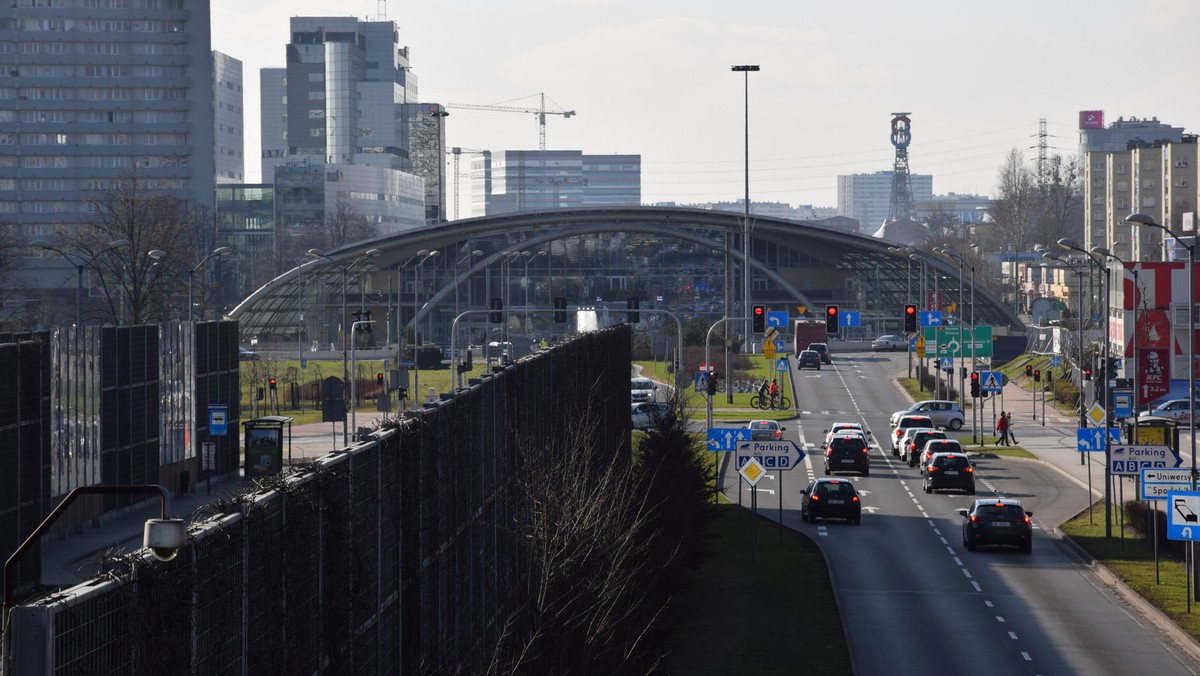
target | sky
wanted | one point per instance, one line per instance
(652, 77)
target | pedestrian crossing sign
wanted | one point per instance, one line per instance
(991, 381)
(781, 365)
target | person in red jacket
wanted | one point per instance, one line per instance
(1002, 430)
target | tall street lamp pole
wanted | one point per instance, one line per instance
(424, 255)
(215, 253)
(525, 283)
(458, 281)
(369, 253)
(1079, 332)
(1072, 245)
(80, 264)
(746, 70)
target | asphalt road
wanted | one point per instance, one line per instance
(912, 598)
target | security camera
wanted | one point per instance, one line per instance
(165, 537)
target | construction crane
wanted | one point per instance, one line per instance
(540, 111)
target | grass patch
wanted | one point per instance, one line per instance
(1133, 562)
(731, 605)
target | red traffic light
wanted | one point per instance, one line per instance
(832, 310)
(758, 309)
(271, 383)
(910, 309)
(974, 377)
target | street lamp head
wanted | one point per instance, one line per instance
(157, 254)
(1142, 219)
(222, 251)
(1067, 243)
(745, 69)
(423, 252)
(315, 253)
(1051, 257)
(1102, 251)
(372, 252)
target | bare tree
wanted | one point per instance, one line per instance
(343, 226)
(1016, 210)
(138, 288)
(1062, 201)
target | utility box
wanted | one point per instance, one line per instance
(1153, 430)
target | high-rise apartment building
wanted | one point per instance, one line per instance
(91, 90)
(508, 181)
(228, 137)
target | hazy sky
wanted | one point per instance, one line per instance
(652, 77)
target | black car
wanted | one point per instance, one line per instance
(822, 349)
(914, 443)
(997, 522)
(848, 452)
(950, 470)
(831, 498)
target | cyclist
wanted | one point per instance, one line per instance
(774, 391)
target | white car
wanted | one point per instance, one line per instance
(647, 414)
(1174, 409)
(843, 428)
(943, 412)
(905, 422)
(641, 389)
(889, 343)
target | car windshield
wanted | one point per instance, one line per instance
(641, 385)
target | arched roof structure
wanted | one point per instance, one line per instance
(793, 264)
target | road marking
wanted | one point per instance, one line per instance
(976, 586)
(1000, 619)
(1012, 635)
(966, 572)
(1026, 656)
(958, 562)
(988, 604)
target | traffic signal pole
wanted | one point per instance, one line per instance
(708, 404)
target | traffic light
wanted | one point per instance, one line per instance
(560, 309)
(1037, 375)
(362, 316)
(759, 317)
(711, 385)
(632, 305)
(974, 384)
(831, 319)
(1029, 370)
(1050, 377)
(379, 379)
(1087, 373)
(495, 310)
(271, 384)
(910, 318)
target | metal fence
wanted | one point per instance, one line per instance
(393, 556)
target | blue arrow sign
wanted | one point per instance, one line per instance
(778, 319)
(726, 438)
(931, 318)
(850, 318)
(1183, 515)
(1091, 439)
(783, 454)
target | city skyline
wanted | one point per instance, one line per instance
(657, 82)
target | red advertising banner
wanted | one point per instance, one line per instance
(1091, 119)
(1153, 372)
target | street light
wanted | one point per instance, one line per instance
(525, 283)
(746, 70)
(457, 281)
(1144, 220)
(1072, 245)
(369, 253)
(424, 255)
(1079, 331)
(80, 265)
(215, 253)
(962, 263)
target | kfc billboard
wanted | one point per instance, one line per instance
(1152, 371)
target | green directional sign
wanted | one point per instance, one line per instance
(955, 341)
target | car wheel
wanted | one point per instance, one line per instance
(971, 490)
(928, 488)
(826, 471)
(1027, 548)
(857, 521)
(818, 368)
(968, 543)
(956, 424)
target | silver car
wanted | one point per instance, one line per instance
(943, 413)
(889, 343)
(1174, 409)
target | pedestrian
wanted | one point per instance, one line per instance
(774, 390)
(1002, 429)
(1011, 436)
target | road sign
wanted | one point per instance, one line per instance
(931, 318)
(770, 334)
(778, 319)
(850, 318)
(1055, 361)
(991, 381)
(918, 343)
(956, 341)
(781, 365)
(752, 472)
(1129, 459)
(1156, 483)
(218, 419)
(946, 364)
(700, 383)
(1096, 414)
(1183, 515)
(1091, 439)
(1122, 403)
(726, 438)
(782, 455)
(769, 350)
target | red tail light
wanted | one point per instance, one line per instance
(854, 499)
(815, 498)
(931, 469)
(974, 519)
(969, 470)
(866, 451)
(829, 452)
(1026, 518)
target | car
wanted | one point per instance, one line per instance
(1002, 521)
(935, 446)
(914, 443)
(848, 452)
(647, 414)
(831, 498)
(1174, 409)
(950, 470)
(808, 359)
(765, 430)
(823, 350)
(838, 427)
(889, 343)
(246, 354)
(904, 423)
(642, 389)
(944, 413)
